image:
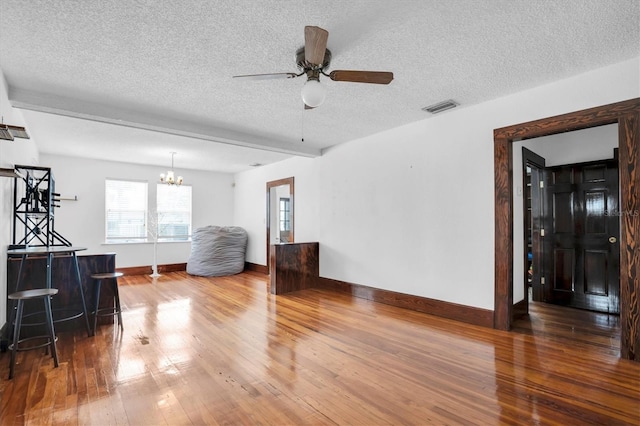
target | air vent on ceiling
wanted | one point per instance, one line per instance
(441, 106)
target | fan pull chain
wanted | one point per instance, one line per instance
(302, 127)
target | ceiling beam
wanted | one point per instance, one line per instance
(129, 118)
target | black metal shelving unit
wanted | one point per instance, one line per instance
(35, 200)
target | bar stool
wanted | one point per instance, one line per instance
(114, 310)
(20, 296)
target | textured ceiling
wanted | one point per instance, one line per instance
(134, 80)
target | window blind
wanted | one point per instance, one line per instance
(174, 212)
(126, 210)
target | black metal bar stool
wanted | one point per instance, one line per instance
(20, 296)
(113, 310)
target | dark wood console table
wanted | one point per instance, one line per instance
(294, 266)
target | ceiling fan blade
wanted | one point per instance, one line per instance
(273, 76)
(375, 77)
(315, 44)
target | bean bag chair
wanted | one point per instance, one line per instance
(217, 251)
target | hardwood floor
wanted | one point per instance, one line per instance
(225, 351)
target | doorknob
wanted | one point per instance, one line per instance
(612, 240)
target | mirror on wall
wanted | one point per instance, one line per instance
(280, 212)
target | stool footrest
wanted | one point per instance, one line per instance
(76, 315)
(111, 312)
(106, 275)
(28, 348)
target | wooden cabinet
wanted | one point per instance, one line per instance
(293, 266)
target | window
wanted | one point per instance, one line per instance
(128, 217)
(285, 214)
(174, 212)
(126, 211)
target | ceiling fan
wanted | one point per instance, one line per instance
(314, 59)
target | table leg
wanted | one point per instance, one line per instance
(49, 262)
(16, 337)
(14, 305)
(84, 303)
(95, 315)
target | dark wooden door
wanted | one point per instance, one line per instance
(533, 173)
(582, 255)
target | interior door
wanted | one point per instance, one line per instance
(533, 175)
(582, 255)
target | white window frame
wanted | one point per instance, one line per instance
(182, 214)
(111, 239)
(284, 213)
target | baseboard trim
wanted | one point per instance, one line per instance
(147, 270)
(254, 267)
(172, 267)
(520, 308)
(462, 313)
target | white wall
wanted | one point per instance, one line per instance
(412, 209)
(83, 222)
(19, 151)
(592, 144)
(250, 203)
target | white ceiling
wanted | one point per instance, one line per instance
(132, 81)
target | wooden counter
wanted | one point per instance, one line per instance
(63, 278)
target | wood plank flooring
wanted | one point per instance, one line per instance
(225, 351)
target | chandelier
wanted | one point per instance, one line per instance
(169, 178)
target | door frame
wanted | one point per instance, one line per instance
(273, 184)
(627, 115)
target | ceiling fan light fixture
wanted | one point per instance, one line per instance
(314, 59)
(313, 93)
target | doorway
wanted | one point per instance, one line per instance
(280, 213)
(571, 221)
(627, 115)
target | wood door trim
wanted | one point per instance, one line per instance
(627, 115)
(272, 184)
